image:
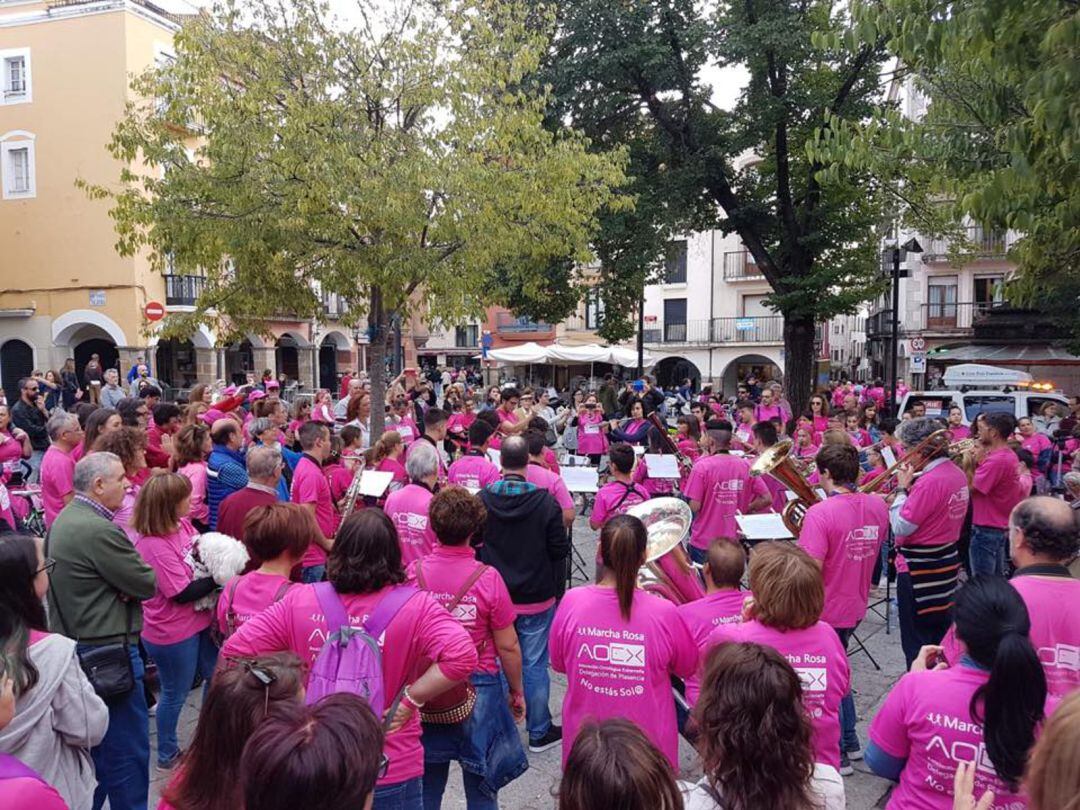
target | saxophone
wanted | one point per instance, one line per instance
(353, 492)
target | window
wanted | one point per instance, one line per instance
(986, 403)
(675, 262)
(675, 320)
(989, 291)
(466, 337)
(941, 302)
(17, 167)
(594, 310)
(15, 78)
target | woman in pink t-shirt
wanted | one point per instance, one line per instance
(14, 444)
(819, 413)
(323, 409)
(100, 423)
(241, 696)
(591, 428)
(486, 743)
(1040, 447)
(619, 646)
(424, 649)
(755, 738)
(387, 455)
(688, 436)
(191, 448)
(985, 707)
(784, 614)
(176, 635)
(276, 537)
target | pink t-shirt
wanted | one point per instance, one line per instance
(552, 482)
(704, 615)
(591, 439)
(408, 508)
(309, 485)
(421, 633)
(195, 472)
(57, 472)
(11, 451)
(6, 512)
(614, 498)
(248, 596)
(400, 479)
(927, 721)
(620, 668)
(1053, 604)
(844, 533)
(722, 484)
(486, 606)
(473, 471)
(959, 432)
(407, 429)
(822, 665)
(458, 425)
(937, 504)
(1036, 444)
(654, 486)
(164, 620)
(994, 489)
(28, 792)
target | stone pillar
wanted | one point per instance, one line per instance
(306, 367)
(127, 355)
(206, 365)
(263, 359)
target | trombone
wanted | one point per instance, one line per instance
(920, 455)
(778, 462)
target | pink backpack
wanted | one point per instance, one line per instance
(350, 660)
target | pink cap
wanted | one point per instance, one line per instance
(273, 384)
(229, 391)
(255, 395)
(212, 416)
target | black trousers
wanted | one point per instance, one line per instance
(917, 631)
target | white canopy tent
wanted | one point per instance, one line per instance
(558, 355)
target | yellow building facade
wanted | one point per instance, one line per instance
(65, 70)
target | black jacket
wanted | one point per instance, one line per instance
(526, 542)
(32, 420)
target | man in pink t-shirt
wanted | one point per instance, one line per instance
(408, 506)
(311, 489)
(720, 485)
(57, 466)
(844, 534)
(619, 494)
(994, 492)
(722, 604)
(474, 470)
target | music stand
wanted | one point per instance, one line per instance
(583, 481)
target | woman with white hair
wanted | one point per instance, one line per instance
(1072, 488)
(408, 506)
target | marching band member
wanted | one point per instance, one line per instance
(408, 507)
(956, 425)
(635, 429)
(474, 470)
(720, 485)
(844, 534)
(310, 488)
(744, 423)
(688, 436)
(763, 437)
(619, 493)
(401, 419)
(819, 413)
(995, 490)
(805, 446)
(434, 435)
(539, 474)
(387, 455)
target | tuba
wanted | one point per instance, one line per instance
(777, 462)
(667, 571)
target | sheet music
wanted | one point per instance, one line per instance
(580, 479)
(577, 461)
(495, 457)
(658, 466)
(888, 455)
(638, 450)
(373, 483)
(766, 526)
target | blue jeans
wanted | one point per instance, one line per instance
(988, 550)
(849, 737)
(407, 795)
(313, 573)
(435, 778)
(122, 759)
(177, 665)
(533, 636)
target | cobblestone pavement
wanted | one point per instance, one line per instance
(535, 789)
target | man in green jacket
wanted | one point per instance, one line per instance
(98, 583)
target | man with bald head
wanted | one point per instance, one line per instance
(720, 485)
(226, 470)
(1044, 537)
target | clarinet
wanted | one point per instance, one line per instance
(669, 445)
(352, 493)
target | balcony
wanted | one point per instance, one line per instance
(949, 318)
(507, 324)
(333, 305)
(183, 291)
(979, 244)
(739, 266)
(762, 329)
(879, 325)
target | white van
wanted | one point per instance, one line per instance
(977, 388)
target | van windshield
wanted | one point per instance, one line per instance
(936, 405)
(974, 404)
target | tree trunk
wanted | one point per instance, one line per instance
(377, 363)
(799, 362)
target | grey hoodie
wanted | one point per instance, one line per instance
(57, 722)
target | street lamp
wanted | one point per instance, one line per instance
(898, 254)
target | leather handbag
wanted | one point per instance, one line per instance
(107, 666)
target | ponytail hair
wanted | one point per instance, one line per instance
(383, 447)
(992, 621)
(622, 549)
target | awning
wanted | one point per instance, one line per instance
(530, 353)
(997, 354)
(524, 354)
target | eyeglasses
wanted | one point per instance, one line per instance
(47, 566)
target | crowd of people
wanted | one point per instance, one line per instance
(352, 641)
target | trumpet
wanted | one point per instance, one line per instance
(922, 454)
(777, 462)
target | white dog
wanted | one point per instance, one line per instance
(219, 556)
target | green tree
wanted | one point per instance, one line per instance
(394, 163)
(999, 140)
(630, 73)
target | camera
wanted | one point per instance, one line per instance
(590, 407)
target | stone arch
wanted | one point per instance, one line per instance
(71, 323)
(767, 364)
(672, 370)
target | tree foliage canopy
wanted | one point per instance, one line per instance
(630, 73)
(394, 163)
(999, 140)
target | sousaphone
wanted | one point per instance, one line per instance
(667, 571)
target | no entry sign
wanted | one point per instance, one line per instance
(154, 311)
